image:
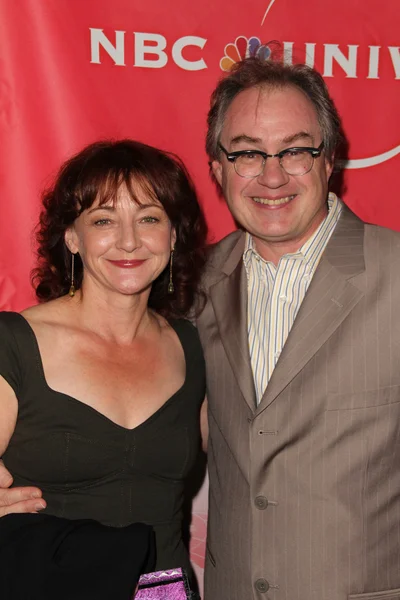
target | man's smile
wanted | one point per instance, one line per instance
(273, 202)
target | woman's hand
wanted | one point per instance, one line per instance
(18, 499)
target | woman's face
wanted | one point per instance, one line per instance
(124, 246)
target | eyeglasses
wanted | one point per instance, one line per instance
(295, 161)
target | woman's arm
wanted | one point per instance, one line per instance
(13, 500)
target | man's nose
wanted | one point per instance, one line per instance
(273, 175)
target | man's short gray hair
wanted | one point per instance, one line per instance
(272, 73)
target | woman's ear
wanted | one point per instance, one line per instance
(173, 238)
(71, 239)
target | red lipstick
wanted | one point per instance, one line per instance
(126, 264)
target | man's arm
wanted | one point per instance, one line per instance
(19, 499)
(203, 425)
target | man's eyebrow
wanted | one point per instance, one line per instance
(245, 138)
(289, 139)
(300, 135)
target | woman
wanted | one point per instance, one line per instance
(101, 384)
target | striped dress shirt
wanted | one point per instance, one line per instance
(275, 294)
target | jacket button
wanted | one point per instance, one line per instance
(261, 502)
(262, 586)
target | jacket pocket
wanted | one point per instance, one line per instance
(384, 595)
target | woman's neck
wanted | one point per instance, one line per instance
(114, 317)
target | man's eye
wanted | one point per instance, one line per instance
(295, 153)
(249, 157)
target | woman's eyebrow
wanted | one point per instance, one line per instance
(102, 207)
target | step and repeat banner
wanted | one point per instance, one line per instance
(75, 71)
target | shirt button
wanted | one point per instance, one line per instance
(283, 298)
(262, 586)
(261, 502)
(277, 354)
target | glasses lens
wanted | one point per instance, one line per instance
(297, 162)
(249, 165)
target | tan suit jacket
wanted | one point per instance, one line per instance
(305, 488)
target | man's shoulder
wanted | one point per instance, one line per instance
(379, 245)
(384, 233)
(372, 233)
(224, 254)
(382, 243)
(220, 250)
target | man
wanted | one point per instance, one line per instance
(302, 342)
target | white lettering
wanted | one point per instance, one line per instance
(157, 47)
(117, 52)
(288, 53)
(395, 55)
(373, 62)
(310, 54)
(348, 64)
(183, 42)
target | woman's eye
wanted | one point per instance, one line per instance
(149, 219)
(101, 222)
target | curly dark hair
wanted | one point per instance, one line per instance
(273, 73)
(97, 172)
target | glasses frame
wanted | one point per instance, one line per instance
(232, 156)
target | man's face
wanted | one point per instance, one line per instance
(281, 211)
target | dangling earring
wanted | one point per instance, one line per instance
(72, 286)
(171, 287)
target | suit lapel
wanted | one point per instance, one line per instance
(336, 288)
(229, 300)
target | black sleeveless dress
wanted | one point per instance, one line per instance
(89, 467)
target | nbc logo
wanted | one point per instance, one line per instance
(243, 48)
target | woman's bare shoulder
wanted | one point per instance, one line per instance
(54, 313)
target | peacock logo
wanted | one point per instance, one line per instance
(243, 48)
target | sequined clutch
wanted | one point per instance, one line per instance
(164, 585)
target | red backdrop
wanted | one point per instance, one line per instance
(74, 71)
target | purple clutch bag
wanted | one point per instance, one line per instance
(164, 585)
